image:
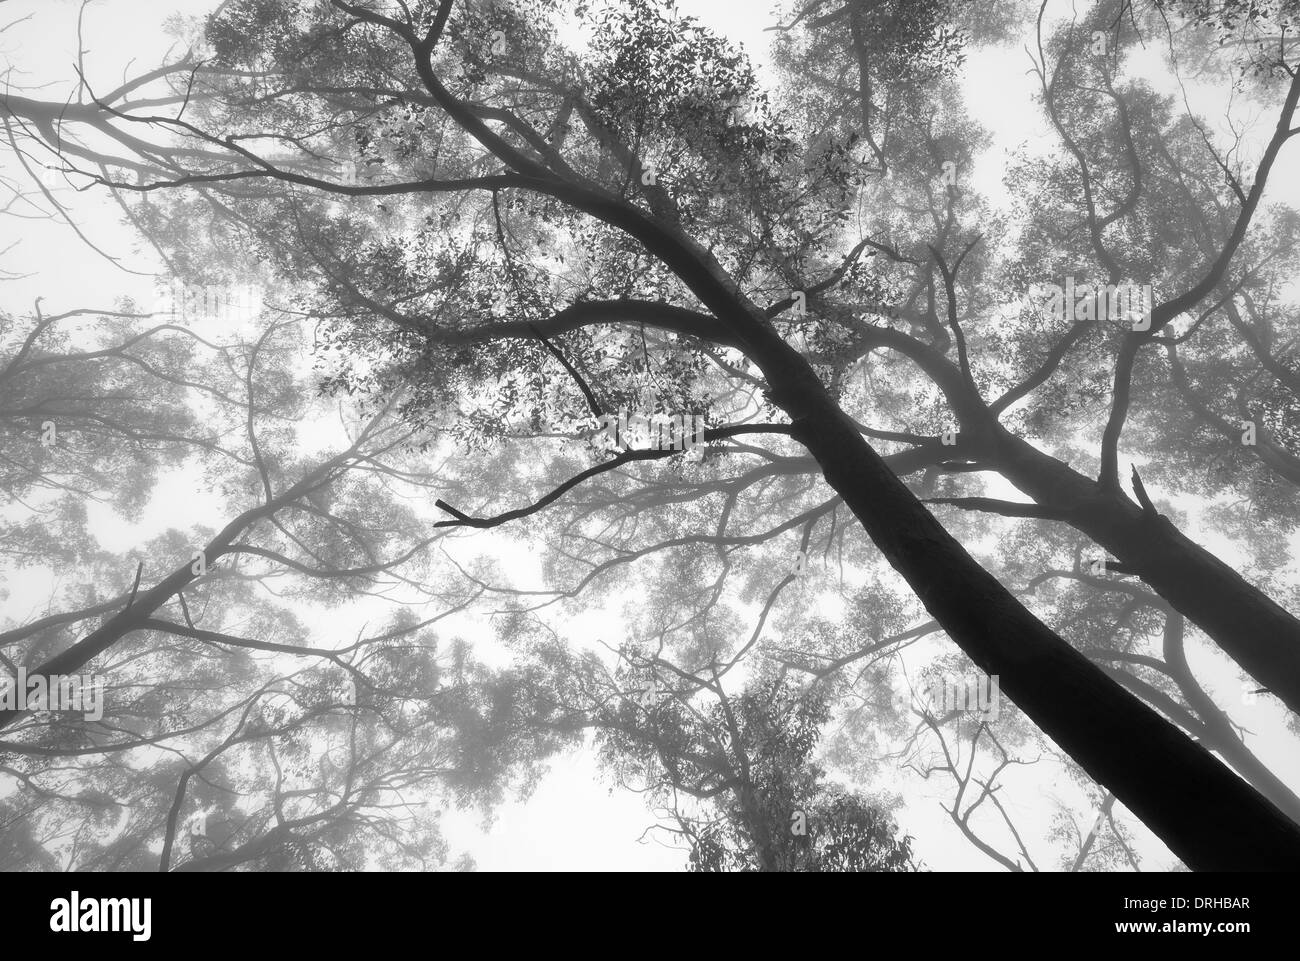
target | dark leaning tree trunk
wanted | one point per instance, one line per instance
(1247, 625)
(1255, 631)
(1258, 633)
(1207, 815)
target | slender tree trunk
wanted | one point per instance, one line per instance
(1219, 733)
(141, 607)
(1256, 632)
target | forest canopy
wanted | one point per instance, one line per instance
(853, 485)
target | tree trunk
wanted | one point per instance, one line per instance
(1252, 629)
(1207, 815)
(1256, 632)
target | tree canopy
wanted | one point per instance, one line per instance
(994, 492)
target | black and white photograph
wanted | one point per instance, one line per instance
(650, 436)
